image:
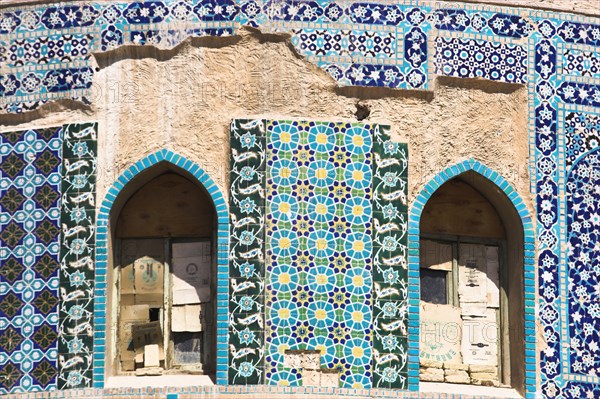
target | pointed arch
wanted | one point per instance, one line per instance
(102, 253)
(415, 213)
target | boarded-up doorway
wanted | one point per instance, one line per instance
(471, 257)
(164, 308)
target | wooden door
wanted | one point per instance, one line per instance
(479, 300)
(192, 335)
(141, 297)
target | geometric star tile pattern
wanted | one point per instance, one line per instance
(319, 248)
(303, 246)
(562, 80)
(480, 59)
(29, 246)
(35, 166)
(566, 142)
(583, 241)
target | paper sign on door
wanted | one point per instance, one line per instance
(149, 280)
(480, 338)
(191, 273)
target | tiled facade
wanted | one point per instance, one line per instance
(240, 392)
(319, 255)
(48, 220)
(102, 253)
(47, 253)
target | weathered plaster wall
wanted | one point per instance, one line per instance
(184, 99)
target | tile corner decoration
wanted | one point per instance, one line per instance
(47, 202)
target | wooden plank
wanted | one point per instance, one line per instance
(435, 255)
(168, 206)
(493, 277)
(186, 318)
(128, 317)
(458, 209)
(440, 333)
(147, 334)
(480, 338)
(472, 273)
(149, 282)
(151, 355)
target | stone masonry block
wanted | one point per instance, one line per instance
(292, 360)
(430, 363)
(456, 366)
(485, 379)
(457, 376)
(311, 378)
(330, 378)
(431, 374)
(310, 360)
(477, 368)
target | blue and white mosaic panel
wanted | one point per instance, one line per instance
(390, 261)
(247, 252)
(30, 178)
(470, 58)
(565, 101)
(46, 205)
(581, 63)
(583, 263)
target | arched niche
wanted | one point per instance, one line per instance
(169, 205)
(166, 219)
(468, 221)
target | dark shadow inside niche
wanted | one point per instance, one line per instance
(476, 218)
(142, 179)
(169, 205)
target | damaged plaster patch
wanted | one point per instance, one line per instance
(362, 111)
(186, 102)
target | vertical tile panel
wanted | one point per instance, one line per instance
(390, 261)
(77, 257)
(30, 199)
(246, 254)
